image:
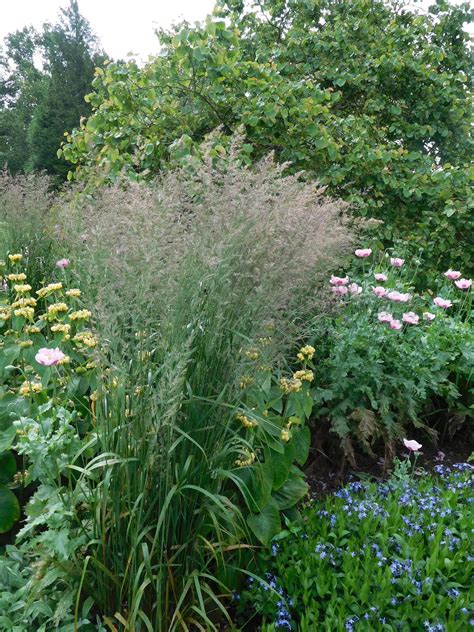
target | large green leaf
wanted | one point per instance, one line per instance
(301, 441)
(266, 524)
(291, 492)
(9, 509)
(6, 438)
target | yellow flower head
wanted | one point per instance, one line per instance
(248, 460)
(304, 375)
(4, 313)
(62, 328)
(285, 435)
(26, 301)
(245, 421)
(49, 289)
(73, 293)
(29, 388)
(65, 360)
(25, 312)
(245, 381)
(22, 289)
(290, 385)
(306, 353)
(15, 258)
(86, 338)
(17, 277)
(24, 344)
(81, 314)
(252, 354)
(56, 308)
(32, 329)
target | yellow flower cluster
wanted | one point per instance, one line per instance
(81, 314)
(27, 301)
(4, 313)
(62, 328)
(86, 338)
(245, 421)
(245, 381)
(306, 353)
(73, 293)
(245, 462)
(25, 312)
(32, 329)
(29, 388)
(252, 354)
(285, 435)
(23, 288)
(15, 258)
(49, 289)
(24, 344)
(290, 385)
(304, 375)
(55, 309)
(17, 277)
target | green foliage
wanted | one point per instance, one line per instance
(374, 381)
(371, 99)
(372, 557)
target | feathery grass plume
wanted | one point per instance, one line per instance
(183, 273)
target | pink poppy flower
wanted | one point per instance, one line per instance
(385, 317)
(379, 291)
(335, 280)
(398, 297)
(380, 277)
(452, 274)
(463, 284)
(395, 324)
(355, 289)
(428, 316)
(49, 357)
(363, 252)
(396, 262)
(412, 445)
(442, 302)
(411, 318)
(339, 290)
(62, 263)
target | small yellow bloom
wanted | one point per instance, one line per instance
(29, 388)
(86, 338)
(62, 328)
(245, 462)
(245, 421)
(49, 289)
(285, 435)
(73, 293)
(25, 312)
(252, 354)
(65, 360)
(94, 396)
(32, 329)
(290, 385)
(81, 314)
(15, 258)
(57, 308)
(17, 277)
(5, 313)
(24, 344)
(304, 375)
(26, 301)
(245, 381)
(306, 353)
(90, 365)
(23, 288)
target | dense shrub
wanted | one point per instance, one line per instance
(392, 556)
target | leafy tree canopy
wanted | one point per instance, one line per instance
(368, 96)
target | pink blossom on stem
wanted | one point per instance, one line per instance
(398, 297)
(339, 290)
(411, 318)
(379, 291)
(62, 263)
(452, 274)
(363, 252)
(442, 302)
(395, 324)
(412, 445)
(355, 289)
(396, 262)
(338, 281)
(49, 357)
(381, 277)
(428, 316)
(385, 317)
(463, 284)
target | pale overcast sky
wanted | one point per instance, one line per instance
(122, 26)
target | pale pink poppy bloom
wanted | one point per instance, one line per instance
(442, 302)
(412, 445)
(62, 263)
(385, 317)
(396, 262)
(398, 297)
(339, 290)
(411, 318)
(363, 252)
(49, 357)
(463, 284)
(428, 316)
(395, 324)
(381, 277)
(452, 274)
(355, 289)
(379, 291)
(335, 280)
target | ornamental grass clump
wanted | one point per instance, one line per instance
(185, 275)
